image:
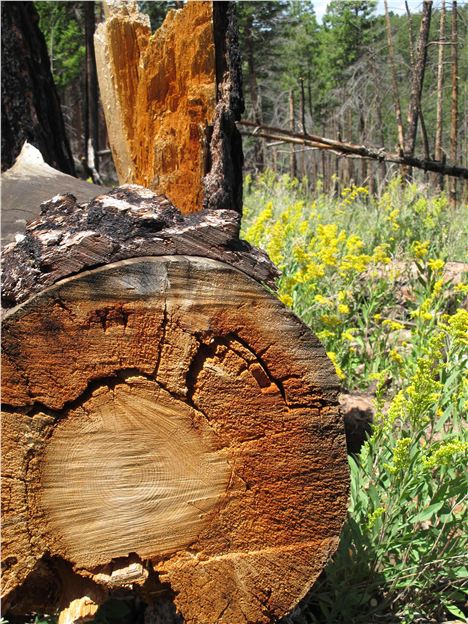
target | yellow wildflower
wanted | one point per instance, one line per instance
(401, 455)
(343, 308)
(458, 327)
(393, 325)
(321, 300)
(338, 369)
(420, 249)
(444, 454)
(395, 356)
(286, 299)
(436, 264)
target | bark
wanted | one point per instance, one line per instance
(396, 96)
(454, 102)
(30, 104)
(440, 87)
(169, 427)
(171, 105)
(418, 80)
(128, 222)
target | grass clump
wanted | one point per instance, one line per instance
(376, 281)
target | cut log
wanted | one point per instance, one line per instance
(171, 101)
(169, 426)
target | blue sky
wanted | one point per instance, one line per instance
(397, 6)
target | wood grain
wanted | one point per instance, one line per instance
(171, 414)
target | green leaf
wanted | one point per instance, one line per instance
(427, 513)
(454, 610)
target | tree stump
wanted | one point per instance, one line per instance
(169, 426)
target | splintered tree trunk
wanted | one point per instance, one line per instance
(171, 100)
(168, 425)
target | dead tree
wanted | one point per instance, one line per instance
(440, 85)
(292, 127)
(91, 135)
(170, 429)
(30, 105)
(454, 101)
(396, 96)
(417, 81)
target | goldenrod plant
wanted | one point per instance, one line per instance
(370, 277)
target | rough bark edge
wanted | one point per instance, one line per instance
(129, 222)
(223, 181)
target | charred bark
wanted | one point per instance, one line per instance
(30, 104)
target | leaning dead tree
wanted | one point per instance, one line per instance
(170, 429)
(352, 150)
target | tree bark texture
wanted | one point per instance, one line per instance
(440, 86)
(171, 102)
(169, 427)
(30, 104)
(129, 221)
(454, 101)
(417, 79)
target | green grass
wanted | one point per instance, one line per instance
(369, 276)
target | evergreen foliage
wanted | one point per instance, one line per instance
(63, 27)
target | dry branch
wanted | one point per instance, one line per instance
(351, 149)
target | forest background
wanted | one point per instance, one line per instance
(332, 78)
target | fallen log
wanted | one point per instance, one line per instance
(30, 182)
(164, 418)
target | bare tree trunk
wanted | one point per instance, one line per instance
(454, 112)
(324, 163)
(30, 105)
(410, 36)
(396, 96)
(413, 68)
(363, 139)
(255, 98)
(303, 125)
(92, 97)
(439, 179)
(292, 127)
(418, 80)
